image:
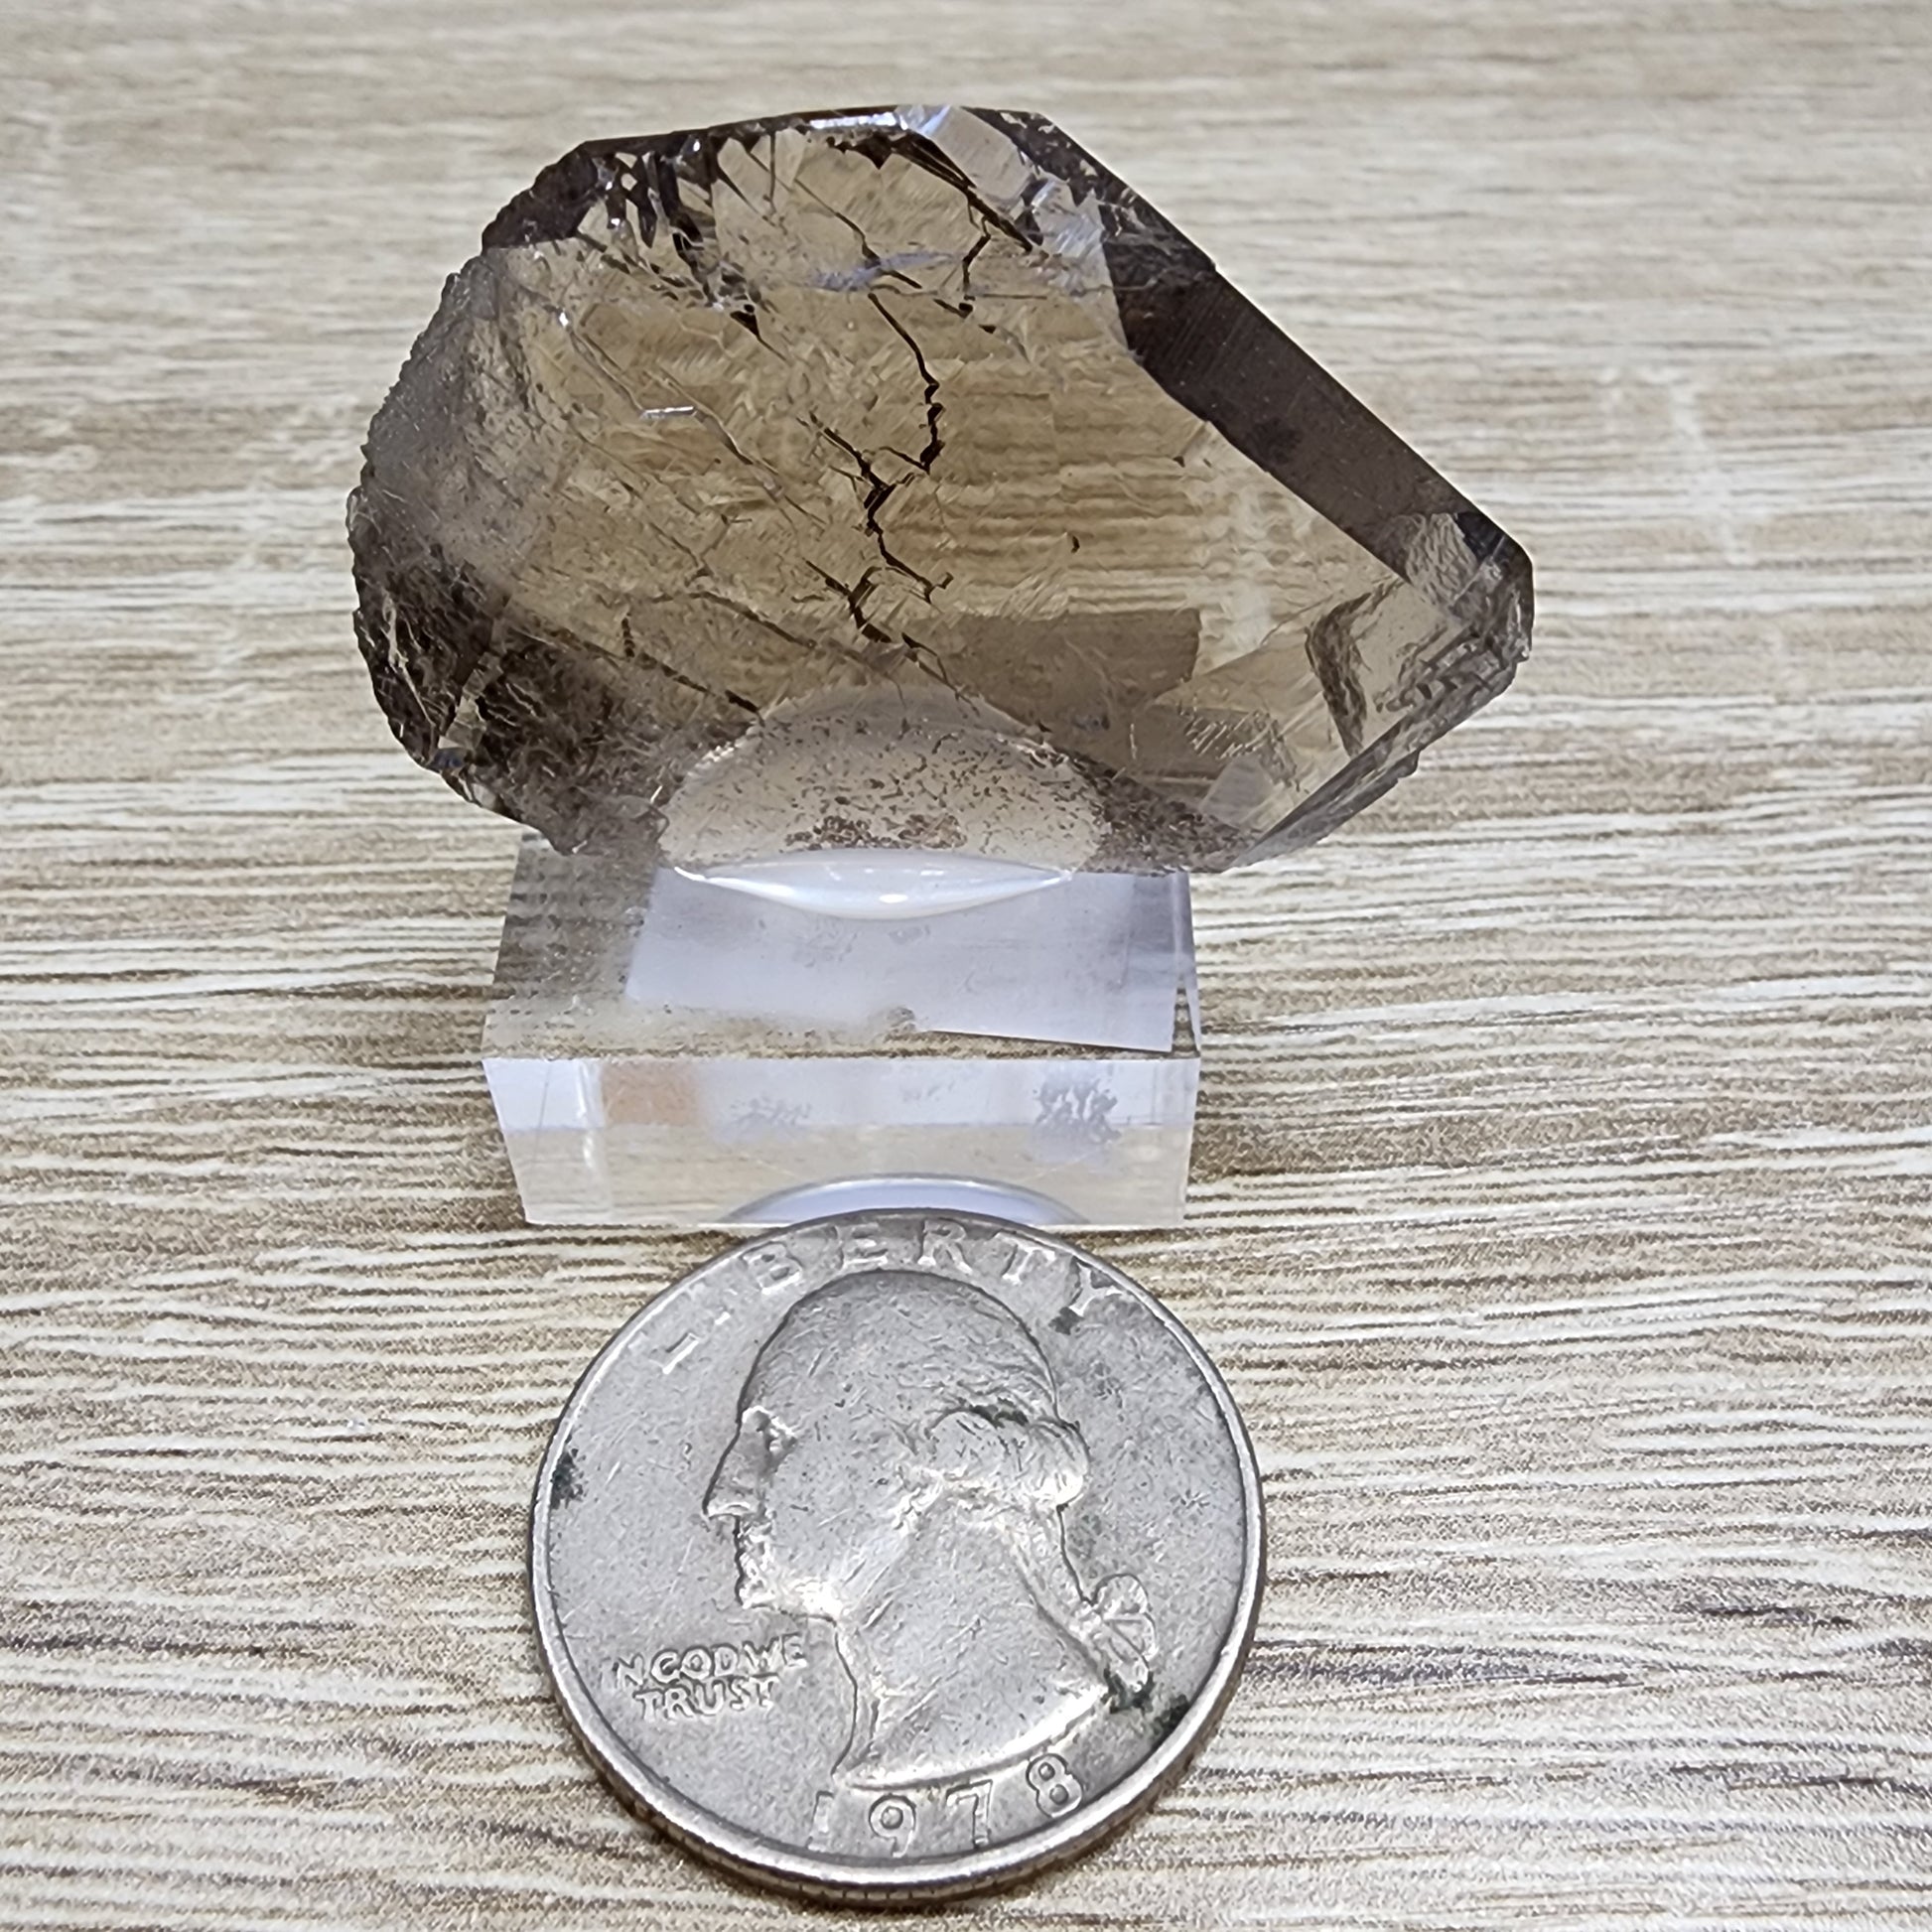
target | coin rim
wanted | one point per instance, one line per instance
(749, 1855)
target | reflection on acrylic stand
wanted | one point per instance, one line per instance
(820, 1032)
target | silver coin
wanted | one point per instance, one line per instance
(897, 1554)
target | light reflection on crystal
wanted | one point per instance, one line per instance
(862, 884)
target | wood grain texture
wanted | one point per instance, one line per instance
(1565, 1201)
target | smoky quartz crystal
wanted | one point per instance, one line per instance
(899, 477)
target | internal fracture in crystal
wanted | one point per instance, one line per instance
(899, 477)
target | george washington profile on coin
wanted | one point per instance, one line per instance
(900, 1469)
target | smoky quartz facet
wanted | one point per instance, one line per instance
(900, 478)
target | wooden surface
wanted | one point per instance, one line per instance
(1563, 1174)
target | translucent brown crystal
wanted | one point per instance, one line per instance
(900, 477)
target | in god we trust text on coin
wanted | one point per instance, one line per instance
(897, 1554)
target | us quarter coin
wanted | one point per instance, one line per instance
(897, 1554)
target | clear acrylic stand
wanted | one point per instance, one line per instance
(844, 1029)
